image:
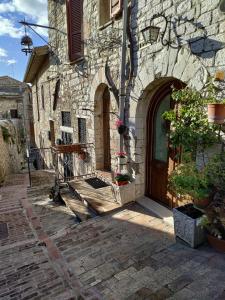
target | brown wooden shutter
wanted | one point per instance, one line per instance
(116, 7)
(74, 21)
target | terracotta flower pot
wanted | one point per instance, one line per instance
(202, 203)
(82, 155)
(216, 113)
(216, 243)
(119, 183)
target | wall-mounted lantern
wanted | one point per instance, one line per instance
(26, 41)
(27, 44)
(150, 34)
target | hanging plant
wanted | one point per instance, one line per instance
(121, 127)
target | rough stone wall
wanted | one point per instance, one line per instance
(7, 104)
(11, 150)
(200, 54)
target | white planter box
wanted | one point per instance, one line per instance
(187, 228)
(124, 193)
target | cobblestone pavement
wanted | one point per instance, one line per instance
(130, 254)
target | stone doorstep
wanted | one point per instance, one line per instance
(164, 213)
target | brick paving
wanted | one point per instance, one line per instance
(129, 254)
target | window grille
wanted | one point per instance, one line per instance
(67, 138)
(66, 118)
(82, 135)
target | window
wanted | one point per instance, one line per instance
(108, 9)
(104, 12)
(66, 118)
(42, 97)
(82, 136)
(116, 7)
(56, 94)
(74, 24)
(13, 113)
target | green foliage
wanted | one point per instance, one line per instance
(122, 177)
(215, 172)
(5, 133)
(189, 122)
(212, 92)
(186, 179)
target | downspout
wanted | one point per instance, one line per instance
(122, 93)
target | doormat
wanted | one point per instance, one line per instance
(3, 231)
(96, 183)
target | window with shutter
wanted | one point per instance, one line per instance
(115, 7)
(104, 12)
(75, 22)
(82, 136)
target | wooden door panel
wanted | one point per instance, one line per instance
(106, 130)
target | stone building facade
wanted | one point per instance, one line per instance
(16, 105)
(87, 86)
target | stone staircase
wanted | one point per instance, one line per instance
(99, 200)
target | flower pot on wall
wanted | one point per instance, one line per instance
(124, 193)
(82, 155)
(216, 113)
(122, 129)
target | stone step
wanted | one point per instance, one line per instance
(100, 200)
(77, 207)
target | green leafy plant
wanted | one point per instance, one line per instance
(215, 172)
(186, 179)
(189, 122)
(122, 177)
(211, 93)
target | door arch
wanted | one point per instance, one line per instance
(102, 128)
(158, 161)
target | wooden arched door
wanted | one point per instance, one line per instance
(158, 161)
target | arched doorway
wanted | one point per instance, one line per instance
(159, 162)
(102, 128)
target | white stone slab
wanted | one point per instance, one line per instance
(161, 211)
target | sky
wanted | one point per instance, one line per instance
(12, 60)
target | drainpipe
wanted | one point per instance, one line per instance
(122, 94)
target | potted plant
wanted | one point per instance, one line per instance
(187, 181)
(82, 155)
(214, 223)
(191, 133)
(122, 179)
(214, 219)
(216, 105)
(121, 127)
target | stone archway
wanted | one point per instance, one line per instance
(167, 65)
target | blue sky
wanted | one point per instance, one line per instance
(12, 61)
